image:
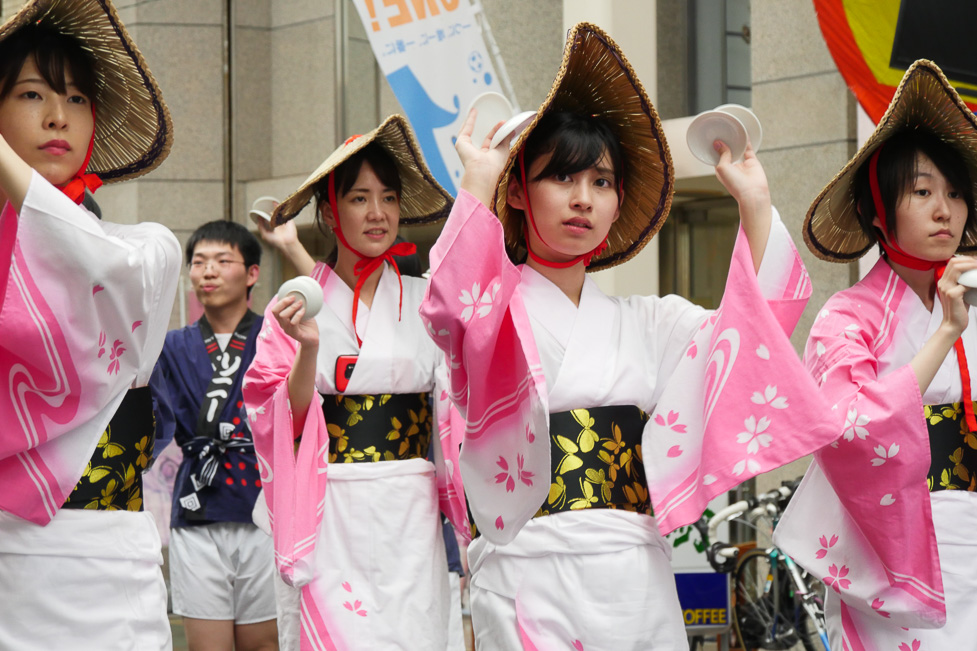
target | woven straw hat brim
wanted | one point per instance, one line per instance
(422, 199)
(133, 127)
(596, 79)
(924, 99)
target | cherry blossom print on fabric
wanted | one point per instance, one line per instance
(102, 279)
(870, 484)
(496, 381)
(757, 408)
(498, 385)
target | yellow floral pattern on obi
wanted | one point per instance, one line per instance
(112, 480)
(953, 449)
(367, 428)
(596, 461)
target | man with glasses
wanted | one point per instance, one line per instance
(221, 565)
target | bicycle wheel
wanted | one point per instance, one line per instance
(808, 629)
(764, 614)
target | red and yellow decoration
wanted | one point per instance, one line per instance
(860, 36)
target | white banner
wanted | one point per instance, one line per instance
(434, 56)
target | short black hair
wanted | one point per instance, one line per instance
(55, 54)
(379, 160)
(897, 173)
(576, 141)
(227, 232)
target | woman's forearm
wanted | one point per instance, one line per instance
(301, 385)
(930, 357)
(15, 175)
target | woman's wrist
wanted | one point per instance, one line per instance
(947, 333)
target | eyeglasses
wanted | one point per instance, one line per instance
(222, 264)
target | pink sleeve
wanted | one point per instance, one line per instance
(294, 482)
(740, 402)
(473, 311)
(84, 311)
(861, 520)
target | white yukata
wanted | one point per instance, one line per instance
(85, 307)
(362, 540)
(892, 553)
(600, 578)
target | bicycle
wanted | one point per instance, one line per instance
(777, 603)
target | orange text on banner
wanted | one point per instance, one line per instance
(421, 10)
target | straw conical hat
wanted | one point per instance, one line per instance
(596, 79)
(133, 128)
(422, 199)
(923, 100)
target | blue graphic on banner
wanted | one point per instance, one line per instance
(434, 56)
(425, 116)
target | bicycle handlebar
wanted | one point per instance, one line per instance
(736, 509)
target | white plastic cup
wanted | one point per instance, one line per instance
(969, 279)
(262, 209)
(750, 121)
(305, 289)
(492, 108)
(709, 126)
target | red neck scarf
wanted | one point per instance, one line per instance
(585, 258)
(75, 188)
(367, 265)
(895, 253)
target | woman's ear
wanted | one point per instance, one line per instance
(325, 213)
(515, 196)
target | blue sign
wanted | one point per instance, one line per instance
(704, 597)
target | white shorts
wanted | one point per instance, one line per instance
(222, 571)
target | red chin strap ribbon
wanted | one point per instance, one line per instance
(585, 258)
(895, 253)
(75, 188)
(367, 265)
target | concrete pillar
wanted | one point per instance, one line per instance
(809, 126)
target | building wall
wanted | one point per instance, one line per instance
(808, 118)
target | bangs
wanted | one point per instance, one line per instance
(576, 142)
(381, 162)
(56, 55)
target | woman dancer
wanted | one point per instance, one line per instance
(365, 544)
(885, 517)
(556, 380)
(85, 306)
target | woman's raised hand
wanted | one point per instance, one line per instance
(747, 183)
(290, 312)
(955, 309)
(279, 237)
(483, 164)
(285, 239)
(745, 180)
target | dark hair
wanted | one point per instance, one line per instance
(55, 53)
(576, 141)
(897, 173)
(227, 232)
(379, 160)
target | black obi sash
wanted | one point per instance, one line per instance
(596, 461)
(112, 480)
(953, 449)
(390, 427)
